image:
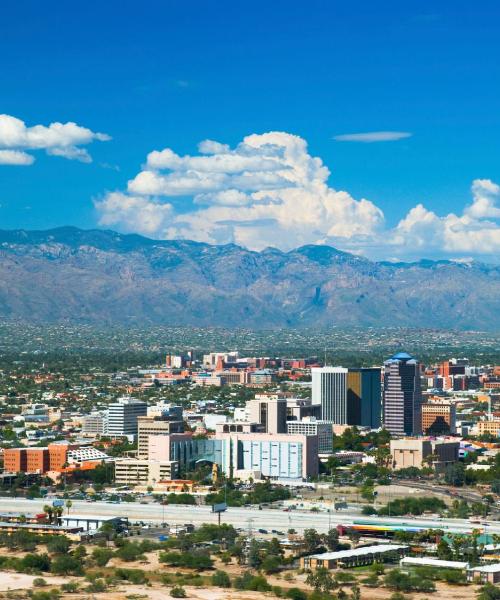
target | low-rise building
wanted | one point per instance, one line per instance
(491, 427)
(355, 557)
(484, 574)
(312, 426)
(413, 452)
(54, 458)
(273, 456)
(427, 561)
(135, 471)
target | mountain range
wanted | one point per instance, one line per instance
(99, 277)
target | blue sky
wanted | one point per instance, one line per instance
(155, 75)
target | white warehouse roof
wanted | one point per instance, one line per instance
(376, 549)
(487, 568)
(433, 562)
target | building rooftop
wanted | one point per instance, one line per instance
(402, 356)
(358, 552)
(77, 517)
(487, 568)
(495, 568)
(434, 562)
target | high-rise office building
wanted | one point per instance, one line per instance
(270, 411)
(402, 395)
(123, 415)
(438, 418)
(364, 397)
(148, 426)
(94, 423)
(348, 396)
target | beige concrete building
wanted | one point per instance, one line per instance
(160, 446)
(488, 427)
(239, 427)
(270, 411)
(412, 452)
(154, 426)
(132, 471)
(94, 424)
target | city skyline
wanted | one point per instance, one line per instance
(179, 124)
(249, 300)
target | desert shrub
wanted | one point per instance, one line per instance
(102, 556)
(136, 576)
(221, 579)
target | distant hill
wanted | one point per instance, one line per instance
(103, 277)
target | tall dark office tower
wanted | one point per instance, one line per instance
(348, 396)
(364, 397)
(402, 395)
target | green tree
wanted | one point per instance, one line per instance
(331, 539)
(102, 556)
(65, 564)
(271, 564)
(488, 592)
(444, 551)
(296, 594)
(455, 474)
(129, 552)
(312, 540)
(58, 544)
(221, 579)
(368, 493)
(35, 563)
(70, 587)
(321, 580)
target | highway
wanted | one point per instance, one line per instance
(241, 517)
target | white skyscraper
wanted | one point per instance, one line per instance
(329, 388)
(122, 417)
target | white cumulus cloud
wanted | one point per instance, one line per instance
(475, 231)
(267, 191)
(57, 139)
(15, 157)
(134, 213)
(270, 191)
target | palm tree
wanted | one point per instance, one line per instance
(382, 456)
(69, 504)
(58, 514)
(48, 510)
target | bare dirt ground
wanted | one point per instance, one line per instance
(385, 493)
(21, 581)
(157, 591)
(197, 593)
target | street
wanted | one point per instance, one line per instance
(241, 517)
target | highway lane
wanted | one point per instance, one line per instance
(239, 516)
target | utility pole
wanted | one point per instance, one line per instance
(249, 539)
